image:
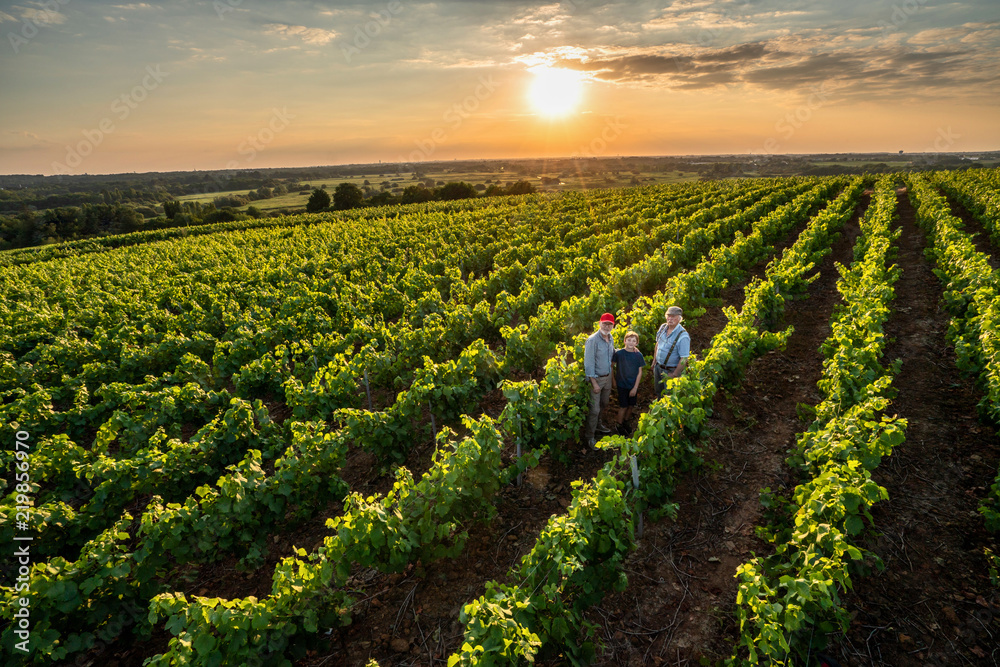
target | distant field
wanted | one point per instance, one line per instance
(584, 181)
(902, 163)
(868, 163)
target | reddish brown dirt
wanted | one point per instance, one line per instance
(933, 603)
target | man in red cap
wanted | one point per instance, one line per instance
(597, 354)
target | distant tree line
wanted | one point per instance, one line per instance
(21, 193)
(70, 223)
(13, 201)
(348, 195)
(263, 192)
(72, 216)
(29, 228)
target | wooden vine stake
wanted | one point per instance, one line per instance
(368, 390)
(517, 441)
(635, 484)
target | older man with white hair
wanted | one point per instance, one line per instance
(673, 346)
(598, 352)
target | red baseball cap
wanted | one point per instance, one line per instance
(608, 317)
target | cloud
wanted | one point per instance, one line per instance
(20, 139)
(469, 63)
(700, 14)
(969, 33)
(547, 15)
(812, 70)
(449, 60)
(196, 54)
(791, 64)
(983, 37)
(701, 20)
(735, 54)
(307, 35)
(40, 15)
(648, 65)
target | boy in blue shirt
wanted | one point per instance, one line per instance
(628, 372)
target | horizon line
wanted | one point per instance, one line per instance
(751, 155)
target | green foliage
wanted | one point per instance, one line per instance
(448, 390)
(345, 196)
(576, 560)
(993, 564)
(548, 415)
(75, 605)
(422, 519)
(788, 602)
(319, 200)
(455, 190)
(548, 601)
(971, 291)
(167, 372)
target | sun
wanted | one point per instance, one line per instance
(555, 92)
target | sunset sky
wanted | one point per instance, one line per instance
(102, 87)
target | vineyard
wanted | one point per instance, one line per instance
(355, 438)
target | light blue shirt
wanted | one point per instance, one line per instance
(597, 355)
(664, 342)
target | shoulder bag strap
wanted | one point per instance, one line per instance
(671, 350)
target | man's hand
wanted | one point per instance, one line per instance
(596, 387)
(634, 390)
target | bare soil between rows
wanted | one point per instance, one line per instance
(933, 603)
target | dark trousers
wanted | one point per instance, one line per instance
(658, 373)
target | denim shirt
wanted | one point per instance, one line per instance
(597, 354)
(681, 350)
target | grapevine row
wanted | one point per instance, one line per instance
(788, 602)
(972, 297)
(977, 192)
(578, 556)
(249, 466)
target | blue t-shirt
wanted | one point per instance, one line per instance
(629, 364)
